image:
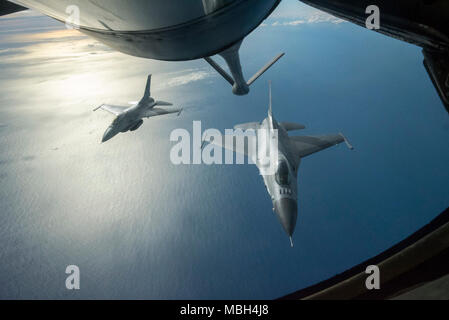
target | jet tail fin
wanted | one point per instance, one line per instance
(270, 104)
(147, 93)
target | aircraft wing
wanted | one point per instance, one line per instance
(153, 112)
(112, 109)
(304, 146)
(242, 144)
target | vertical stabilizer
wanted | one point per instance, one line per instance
(147, 93)
(270, 104)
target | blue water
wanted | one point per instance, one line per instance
(141, 227)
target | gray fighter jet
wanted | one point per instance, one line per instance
(281, 180)
(131, 118)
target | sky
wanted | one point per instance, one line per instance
(141, 227)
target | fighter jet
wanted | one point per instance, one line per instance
(175, 30)
(131, 118)
(280, 176)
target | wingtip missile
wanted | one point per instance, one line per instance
(97, 108)
(348, 144)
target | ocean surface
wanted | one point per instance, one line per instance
(140, 227)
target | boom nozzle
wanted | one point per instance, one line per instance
(231, 55)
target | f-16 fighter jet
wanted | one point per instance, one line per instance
(131, 118)
(281, 173)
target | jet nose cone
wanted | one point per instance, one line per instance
(287, 212)
(108, 134)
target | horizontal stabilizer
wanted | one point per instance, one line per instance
(264, 69)
(291, 126)
(248, 126)
(163, 103)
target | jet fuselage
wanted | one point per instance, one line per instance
(129, 120)
(283, 185)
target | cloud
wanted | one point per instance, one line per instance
(324, 17)
(314, 19)
(311, 20)
(26, 22)
(58, 75)
(185, 77)
(294, 13)
(52, 35)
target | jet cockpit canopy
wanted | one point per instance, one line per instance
(282, 175)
